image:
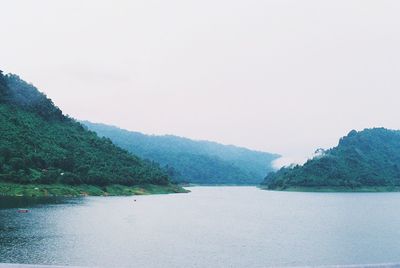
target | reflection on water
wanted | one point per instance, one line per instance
(27, 202)
(210, 227)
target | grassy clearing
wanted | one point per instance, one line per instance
(39, 190)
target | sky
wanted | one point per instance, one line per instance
(281, 76)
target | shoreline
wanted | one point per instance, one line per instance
(338, 189)
(63, 190)
(217, 185)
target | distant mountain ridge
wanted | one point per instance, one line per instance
(201, 162)
(362, 159)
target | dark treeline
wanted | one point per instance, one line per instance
(369, 158)
(38, 144)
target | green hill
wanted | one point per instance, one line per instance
(365, 160)
(40, 145)
(200, 162)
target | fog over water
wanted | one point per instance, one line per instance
(281, 76)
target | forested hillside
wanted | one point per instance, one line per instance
(369, 158)
(38, 144)
(201, 162)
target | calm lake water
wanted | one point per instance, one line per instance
(210, 227)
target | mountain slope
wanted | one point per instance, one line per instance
(38, 144)
(369, 158)
(201, 162)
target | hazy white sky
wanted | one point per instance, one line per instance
(281, 76)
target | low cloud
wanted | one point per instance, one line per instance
(286, 161)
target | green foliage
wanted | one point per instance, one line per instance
(3, 87)
(40, 190)
(185, 160)
(38, 144)
(370, 158)
(23, 95)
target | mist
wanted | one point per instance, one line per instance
(280, 76)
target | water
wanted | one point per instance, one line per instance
(210, 227)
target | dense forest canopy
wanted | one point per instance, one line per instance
(38, 144)
(201, 162)
(368, 158)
